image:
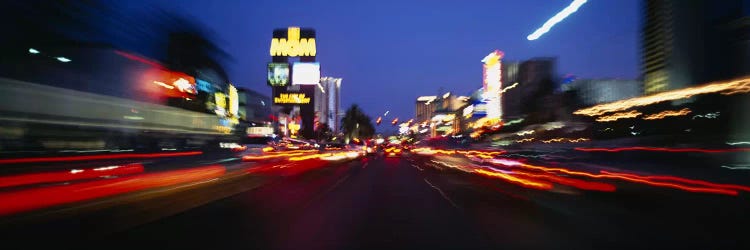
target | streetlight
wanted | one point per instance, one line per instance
(33, 51)
(62, 59)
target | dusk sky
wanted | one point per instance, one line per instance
(389, 52)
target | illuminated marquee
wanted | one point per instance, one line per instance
(293, 45)
(291, 98)
(492, 69)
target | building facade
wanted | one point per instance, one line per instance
(590, 92)
(526, 83)
(425, 108)
(685, 43)
(328, 102)
(254, 106)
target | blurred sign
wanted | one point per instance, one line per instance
(278, 74)
(492, 69)
(234, 101)
(259, 131)
(306, 73)
(468, 111)
(291, 98)
(293, 44)
(204, 86)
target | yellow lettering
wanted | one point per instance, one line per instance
(294, 98)
(293, 45)
(275, 48)
(292, 33)
(311, 49)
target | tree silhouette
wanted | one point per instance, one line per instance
(356, 124)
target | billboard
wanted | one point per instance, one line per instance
(305, 73)
(492, 70)
(291, 98)
(296, 42)
(278, 74)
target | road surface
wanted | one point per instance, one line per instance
(416, 202)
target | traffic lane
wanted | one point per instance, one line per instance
(248, 220)
(634, 216)
(384, 204)
(370, 204)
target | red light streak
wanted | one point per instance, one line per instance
(96, 157)
(580, 184)
(683, 180)
(60, 176)
(672, 185)
(30, 199)
(712, 187)
(672, 150)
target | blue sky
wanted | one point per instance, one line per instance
(390, 52)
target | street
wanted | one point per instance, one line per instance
(415, 202)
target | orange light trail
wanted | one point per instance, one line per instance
(553, 140)
(618, 116)
(96, 157)
(671, 150)
(525, 140)
(725, 88)
(667, 113)
(516, 180)
(272, 155)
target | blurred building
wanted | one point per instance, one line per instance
(511, 94)
(525, 84)
(328, 102)
(590, 92)
(425, 108)
(693, 42)
(254, 106)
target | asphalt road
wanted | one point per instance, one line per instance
(412, 202)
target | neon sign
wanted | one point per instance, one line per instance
(293, 45)
(291, 98)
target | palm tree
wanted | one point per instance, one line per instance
(356, 124)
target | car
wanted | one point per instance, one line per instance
(393, 151)
(257, 145)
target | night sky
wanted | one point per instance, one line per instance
(389, 52)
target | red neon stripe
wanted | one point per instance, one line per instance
(96, 157)
(674, 185)
(60, 176)
(683, 180)
(580, 184)
(672, 150)
(726, 189)
(26, 200)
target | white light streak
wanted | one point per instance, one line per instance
(62, 59)
(573, 7)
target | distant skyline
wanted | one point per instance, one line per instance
(389, 52)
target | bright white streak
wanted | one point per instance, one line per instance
(573, 7)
